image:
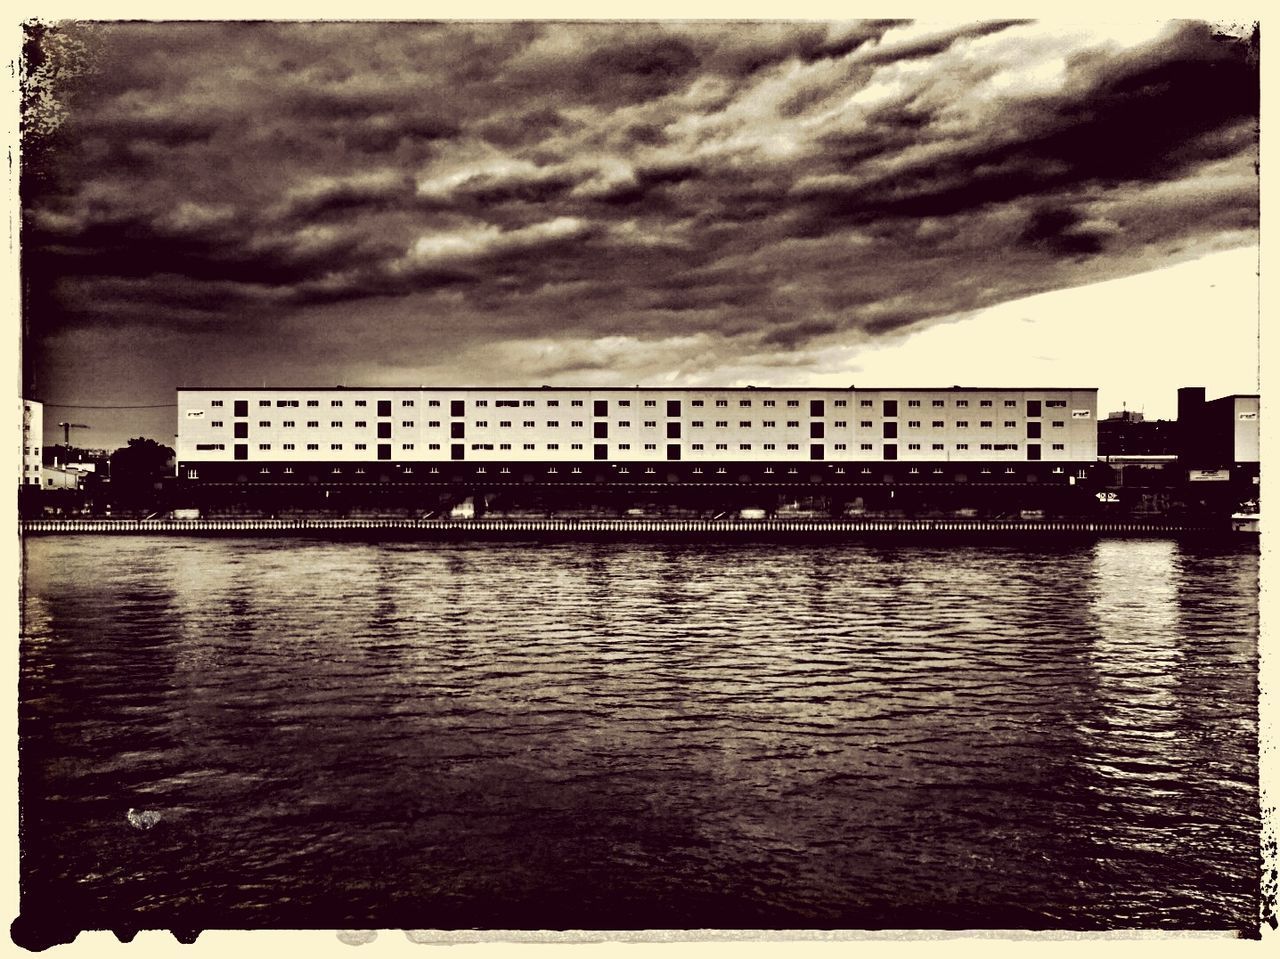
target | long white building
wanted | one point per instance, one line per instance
(419, 434)
(32, 440)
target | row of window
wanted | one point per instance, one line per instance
(673, 404)
(865, 447)
(194, 473)
(648, 424)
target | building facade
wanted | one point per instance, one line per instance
(522, 434)
(32, 441)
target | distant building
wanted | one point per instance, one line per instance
(1217, 440)
(58, 477)
(1127, 433)
(32, 440)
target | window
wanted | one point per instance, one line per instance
(913, 403)
(865, 424)
(962, 424)
(722, 446)
(335, 446)
(817, 408)
(938, 404)
(576, 423)
(793, 446)
(384, 407)
(264, 446)
(840, 446)
(696, 403)
(865, 404)
(264, 423)
(336, 424)
(722, 423)
(288, 469)
(313, 423)
(770, 403)
(600, 408)
(696, 423)
(362, 424)
(865, 447)
(650, 423)
(722, 402)
(624, 402)
(793, 424)
(313, 446)
(841, 424)
(406, 402)
(384, 430)
(937, 446)
(553, 402)
(1033, 407)
(241, 407)
(262, 403)
(289, 424)
(697, 446)
(1010, 404)
(744, 402)
(216, 424)
(505, 424)
(624, 446)
(575, 402)
(484, 403)
(913, 424)
(211, 446)
(366, 402)
(768, 446)
(769, 424)
(1059, 446)
(651, 446)
(793, 404)
(1010, 424)
(1058, 424)
(335, 402)
(1055, 403)
(984, 403)
(504, 446)
(984, 446)
(744, 424)
(288, 446)
(575, 446)
(216, 403)
(365, 446)
(553, 446)
(984, 424)
(429, 403)
(962, 446)
(528, 423)
(430, 446)
(913, 446)
(506, 402)
(841, 403)
(405, 446)
(313, 402)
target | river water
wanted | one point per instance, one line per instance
(325, 734)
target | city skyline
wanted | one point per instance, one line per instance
(666, 204)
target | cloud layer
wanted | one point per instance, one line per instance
(389, 197)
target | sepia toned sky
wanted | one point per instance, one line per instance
(870, 203)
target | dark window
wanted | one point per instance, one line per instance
(891, 431)
(384, 407)
(455, 451)
(457, 431)
(891, 451)
(602, 431)
(890, 407)
(673, 408)
(384, 451)
(1033, 450)
(815, 431)
(816, 450)
(602, 451)
(456, 407)
(242, 430)
(1033, 431)
(673, 431)
(384, 430)
(673, 451)
(242, 451)
(602, 408)
(242, 408)
(1033, 407)
(815, 408)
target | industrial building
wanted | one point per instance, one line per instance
(32, 440)
(547, 435)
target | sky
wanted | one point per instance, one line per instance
(850, 203)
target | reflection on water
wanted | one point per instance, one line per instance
(639, 735)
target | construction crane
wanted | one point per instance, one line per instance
(66, 431)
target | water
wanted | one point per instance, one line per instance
(629, 735)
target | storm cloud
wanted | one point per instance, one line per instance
(326, 199)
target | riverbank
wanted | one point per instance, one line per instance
(621, 528)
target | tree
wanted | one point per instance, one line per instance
(138, 469)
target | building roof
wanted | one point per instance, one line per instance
(649, 389)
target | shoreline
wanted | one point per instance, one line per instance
(735, 529)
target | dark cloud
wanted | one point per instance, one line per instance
(455, 187)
